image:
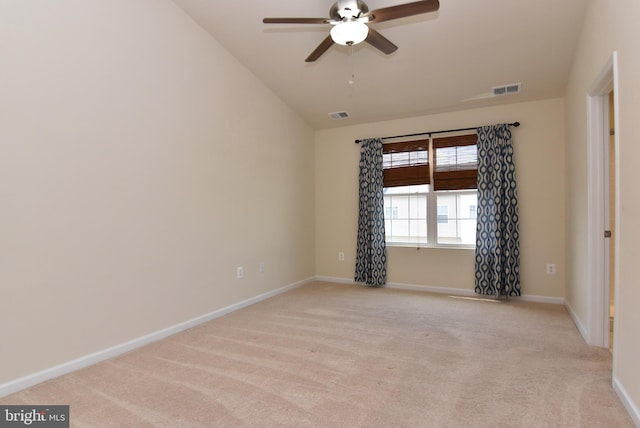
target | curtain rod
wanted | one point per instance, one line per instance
(514, 124)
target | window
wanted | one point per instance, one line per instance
(431, 206)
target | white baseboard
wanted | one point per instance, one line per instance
(577, 322)
(541, 299)
(335, 280)
(463, 292)
(627, 402)
(402, 286)
(88, 360)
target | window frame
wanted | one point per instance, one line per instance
(432, 197)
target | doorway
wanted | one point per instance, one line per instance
(602, 205)
(610, 216)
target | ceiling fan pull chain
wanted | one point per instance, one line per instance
(353, 72)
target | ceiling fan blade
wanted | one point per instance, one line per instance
(403, 10)
(322, 48)
(380, 42)
(296, 21)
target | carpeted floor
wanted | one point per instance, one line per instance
(332, 355)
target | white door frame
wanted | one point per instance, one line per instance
(598, 136)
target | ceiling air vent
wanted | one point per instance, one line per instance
(337, 115)
(506, 90)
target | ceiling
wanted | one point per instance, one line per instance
(447, 60)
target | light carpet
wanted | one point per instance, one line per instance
(335, 355)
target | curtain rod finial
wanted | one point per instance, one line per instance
(516, 124)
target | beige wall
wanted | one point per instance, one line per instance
(139, 165)
(539, 157)
(609, 26)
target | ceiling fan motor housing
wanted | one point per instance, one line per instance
(347, 9)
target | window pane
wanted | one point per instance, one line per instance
(443, 214)
(422, 208)
(394, 160)
(406, 214)
(460, 226)
(404, 158)
(401, 203)
(467, 231)
(420, 157)
(422, 230)
(456, 158)
(473, 211)
(414, 203)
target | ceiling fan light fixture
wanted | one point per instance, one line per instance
(349, 33)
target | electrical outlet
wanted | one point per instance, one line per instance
(261, 267)
(551, 269)
(341, 256)
(239, 272)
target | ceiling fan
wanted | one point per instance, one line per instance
(350, 18)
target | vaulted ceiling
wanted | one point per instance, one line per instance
(447, 60)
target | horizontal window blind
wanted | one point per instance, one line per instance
(406, 163)
(455, 162)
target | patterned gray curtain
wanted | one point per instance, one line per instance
(497, 237)
(371, 257)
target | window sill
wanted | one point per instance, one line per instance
(425, 245)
